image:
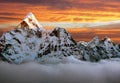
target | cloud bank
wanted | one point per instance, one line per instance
(72, 72)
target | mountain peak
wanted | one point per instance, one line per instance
(31, 22)
(96, 38)
(107, 39)
(94, 41)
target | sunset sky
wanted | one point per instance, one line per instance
(61, 10)
(12, 11)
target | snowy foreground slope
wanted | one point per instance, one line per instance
(29, 41)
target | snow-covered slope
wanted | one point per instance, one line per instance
(31, 22)
(29, 41)
(98, 49)
(23, 42)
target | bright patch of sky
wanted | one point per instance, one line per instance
(67, 24)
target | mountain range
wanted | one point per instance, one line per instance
(29, 41)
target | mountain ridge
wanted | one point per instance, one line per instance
(31, 42)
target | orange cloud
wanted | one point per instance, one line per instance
(86, 34)
(66, 11)
(72, 11)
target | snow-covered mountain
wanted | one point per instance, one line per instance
(29, 41)
(98, 49)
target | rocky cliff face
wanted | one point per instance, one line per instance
(29, 41)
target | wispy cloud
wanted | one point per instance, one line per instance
(69, 24)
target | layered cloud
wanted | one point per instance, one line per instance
(65, 12)
(61, 10)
